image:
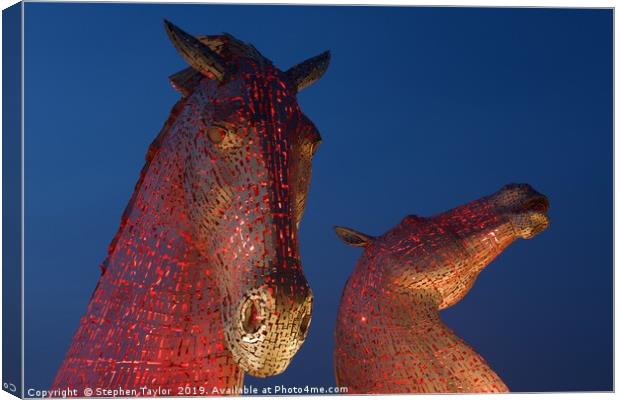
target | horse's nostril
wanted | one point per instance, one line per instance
(305, 323)
(306, 318)
(252, 316)
(541, 204)
(537, 203)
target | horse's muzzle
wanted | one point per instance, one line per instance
(268, 329)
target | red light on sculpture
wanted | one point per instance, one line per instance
(196, 289)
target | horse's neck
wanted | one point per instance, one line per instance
(155, 254)
(156, 222)
(439, 360)
(154, 317)
(403, 346)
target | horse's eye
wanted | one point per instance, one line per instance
(216, 134)
(315, 146)
(314, 138)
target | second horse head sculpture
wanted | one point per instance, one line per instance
(389, 336)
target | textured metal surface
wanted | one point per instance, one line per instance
(203, 280)
(389, 336)
(306, 73)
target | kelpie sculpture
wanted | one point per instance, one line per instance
(203, 280)
(389, 336)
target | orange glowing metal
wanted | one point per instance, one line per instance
(389, 337)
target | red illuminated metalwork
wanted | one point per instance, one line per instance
(389, 336)
(203, 280)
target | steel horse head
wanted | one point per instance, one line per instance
(249, 171)
(389, 336)
(203, 279)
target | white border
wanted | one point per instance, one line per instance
(447, 3)
(418, 3)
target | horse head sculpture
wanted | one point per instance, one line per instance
(242, 111)
(203, 279)
(389, 337)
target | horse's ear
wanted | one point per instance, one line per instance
(185, 81)
(353, 237)
(306, 73)
(197, 54)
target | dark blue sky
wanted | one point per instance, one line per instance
(421, 110)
